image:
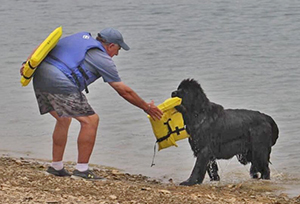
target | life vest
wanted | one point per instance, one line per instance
(39, 55)
(68, 56)
(170, 127)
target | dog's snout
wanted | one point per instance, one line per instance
(174, 94)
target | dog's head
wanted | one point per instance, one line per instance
(187, 89)
(191, 93)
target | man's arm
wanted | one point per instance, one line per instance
(131, 96)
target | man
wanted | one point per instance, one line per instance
(75, 62)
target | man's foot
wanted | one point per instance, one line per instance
(88, 175)
(61, 172)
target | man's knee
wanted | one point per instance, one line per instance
(65, 121)
(91, 121)
(95, 118)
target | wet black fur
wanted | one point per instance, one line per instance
(218, 133)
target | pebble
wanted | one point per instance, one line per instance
(164, 191)
(113, 197)
(145, 188)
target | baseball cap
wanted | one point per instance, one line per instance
(112, 35)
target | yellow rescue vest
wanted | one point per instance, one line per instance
(170, 127)
(39, 54)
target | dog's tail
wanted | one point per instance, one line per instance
(275, 130)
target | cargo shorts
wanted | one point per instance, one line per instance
(65, 105)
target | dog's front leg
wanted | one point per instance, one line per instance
(199, 170)
(212, 170)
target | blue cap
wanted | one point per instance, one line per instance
(112, 35)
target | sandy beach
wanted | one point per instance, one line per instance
(25, 181)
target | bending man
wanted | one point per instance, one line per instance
(75, 62)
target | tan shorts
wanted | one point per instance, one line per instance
(65, 105)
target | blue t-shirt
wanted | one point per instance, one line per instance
(48, 78)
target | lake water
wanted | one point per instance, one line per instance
(245, 54)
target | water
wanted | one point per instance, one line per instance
(245, 54)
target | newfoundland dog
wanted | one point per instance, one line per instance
(218, 133)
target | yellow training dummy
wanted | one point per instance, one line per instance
(39, 54)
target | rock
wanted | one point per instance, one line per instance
(194, 197)
(116, 172)
(113, 197)
(231, 200)
(145, 188)
(19, 162)
(230, 185)
(212, 196)
(164, 191)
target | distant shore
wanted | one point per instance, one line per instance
(25, 181)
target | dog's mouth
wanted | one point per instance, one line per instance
(181, 108)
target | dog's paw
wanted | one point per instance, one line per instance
(215, 177)
(188, 182)
(266, 176)
(254, 176)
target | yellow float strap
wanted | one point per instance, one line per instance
(170, 127)
(39, 55)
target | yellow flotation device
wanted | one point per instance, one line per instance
(170, 127)
(39, 55)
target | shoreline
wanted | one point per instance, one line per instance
(25, 181)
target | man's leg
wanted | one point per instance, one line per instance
(86, 141)
(86, 137)
(60, 135)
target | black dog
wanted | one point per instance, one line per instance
(218, 133)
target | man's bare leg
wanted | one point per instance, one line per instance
(60, 136)
(87, 137)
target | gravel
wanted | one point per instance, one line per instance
(24, 181)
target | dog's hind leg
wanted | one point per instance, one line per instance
(212, 170)
(265, 172)
(253, 172)
(244, 159)
(261, 162)
(199, 169)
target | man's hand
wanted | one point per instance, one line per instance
(22, 68)
(154, 111)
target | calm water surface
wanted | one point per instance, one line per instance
(245, 54)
